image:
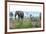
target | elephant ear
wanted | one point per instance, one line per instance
(19, 13)
(16, 12)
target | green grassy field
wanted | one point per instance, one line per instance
(26, 23)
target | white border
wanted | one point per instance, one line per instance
(29, 29)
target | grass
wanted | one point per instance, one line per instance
(26, 23)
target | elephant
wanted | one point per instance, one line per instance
(40, 16)
(11, 15)
(20, 15)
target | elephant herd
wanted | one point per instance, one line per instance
(19, 13)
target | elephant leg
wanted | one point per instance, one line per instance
(18, 18)
(22, 19)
